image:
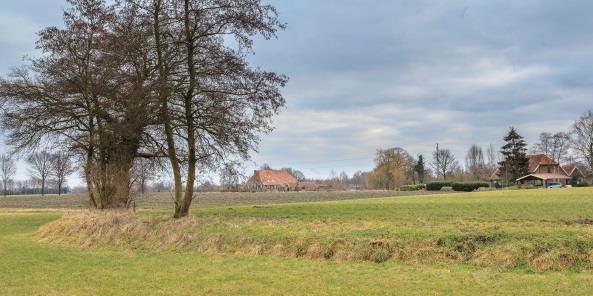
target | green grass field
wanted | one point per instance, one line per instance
(536, 242)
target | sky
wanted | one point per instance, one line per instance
(376, 74)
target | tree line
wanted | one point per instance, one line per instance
(163, 80)
(45, 169)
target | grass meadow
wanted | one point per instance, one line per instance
(537, 242)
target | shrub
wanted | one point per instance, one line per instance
(438, 185)
(468, 186)
(446, 188)
(412, 187)
(582, 185)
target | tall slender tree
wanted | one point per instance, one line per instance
(474, 160)
(420, 169)
(7, 171)
(61, 168)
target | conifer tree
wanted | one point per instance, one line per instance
(515, 163)
(420, 169)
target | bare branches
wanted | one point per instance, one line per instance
(582, 138)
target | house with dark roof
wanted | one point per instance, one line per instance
(542, 171)
(575, 173)
(271, 180)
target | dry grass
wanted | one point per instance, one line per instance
(123, 229)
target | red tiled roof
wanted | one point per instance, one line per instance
(539, 159)
(569, 168)
(273, 178)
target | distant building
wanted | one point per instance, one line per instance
(542, 171)
(576, 175)
(271, 180)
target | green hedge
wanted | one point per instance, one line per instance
(412, 187)
(456, 186)
(469, 186)
(438, 185)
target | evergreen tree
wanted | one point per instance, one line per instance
(420, 169)
(515, 163)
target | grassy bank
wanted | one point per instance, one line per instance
(539, 230)
(515, 242)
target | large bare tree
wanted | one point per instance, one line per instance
(147, 79)
(7, 171)
(89, 91)
(582, 138)
(213, 103)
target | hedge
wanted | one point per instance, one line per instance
(469, 186)
(438, 185)
(456, 186)
(412, 187)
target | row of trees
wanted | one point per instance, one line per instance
(153, 79)
(395, 167)
(45, 168)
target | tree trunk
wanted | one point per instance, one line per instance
(164, 97)
(182, 210)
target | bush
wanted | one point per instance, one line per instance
(446, 188)
(438, 185)
(412, 187)
(582, 185)
(468, 186)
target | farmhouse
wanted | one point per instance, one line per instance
(576, 175)
(271, 180)
(543, 171)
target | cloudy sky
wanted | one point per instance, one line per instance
(406, 73)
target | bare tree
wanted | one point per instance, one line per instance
(41, 168)
(232, 175)
(555, 145)
(89, 91)
(392, 169)
(7, 171)
(582, 138)
(444, 162)
(144, 170)
(493, 159)
(300, 176)
(213, 104)
(132, 79)
(61, 168)
(476, 167)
